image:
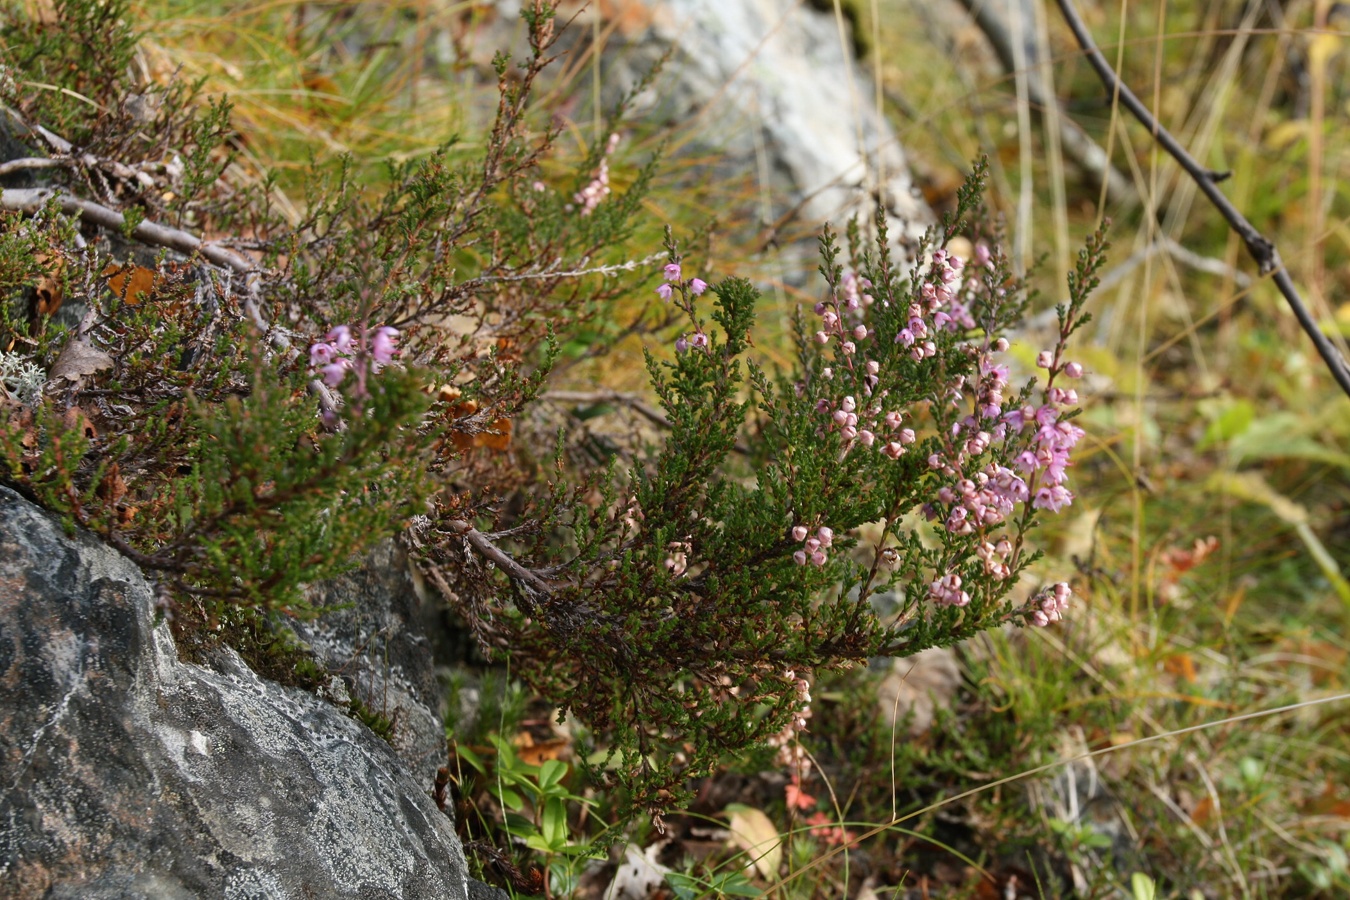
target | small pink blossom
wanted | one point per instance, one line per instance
(697, 286)
(799, 532)
(383, 344)
(334, 372)
(1045, 359)
(796, 797)
(341, 338)
(664, 291)
(320, 354)
(1074, 370)
(672, 271)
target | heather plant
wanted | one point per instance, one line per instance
(244, 415)
(689, 598)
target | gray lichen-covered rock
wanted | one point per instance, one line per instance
(765, 88)
(378, 640)
(127, 773)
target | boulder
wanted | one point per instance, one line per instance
(764, 94)
(129, 773)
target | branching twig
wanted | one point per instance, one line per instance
(29, 163)
(30, 200)
(1260, 247)
(534, 586)
(632, 401)
(637, 404)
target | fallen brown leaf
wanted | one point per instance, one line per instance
(78, 359)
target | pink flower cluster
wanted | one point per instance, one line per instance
(815, 545)
(872, 429)
(340, 352)
(673, 276)
(823, 827)
(940, 307)
(791, 754)
(841, 317)
(1047, 461)
(597, 189)
(1050, 605)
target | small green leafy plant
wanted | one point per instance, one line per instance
(536, 804)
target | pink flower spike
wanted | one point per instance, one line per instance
(697, 286)
(664, 291)
(383, 344)
(672, 271)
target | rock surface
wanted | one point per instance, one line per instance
(378, 642)
(759, 91)
(128, 773)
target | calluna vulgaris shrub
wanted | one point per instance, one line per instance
(246, 415)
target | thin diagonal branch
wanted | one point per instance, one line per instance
(1261, 248)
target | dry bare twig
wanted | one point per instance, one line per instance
(1261, 248)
